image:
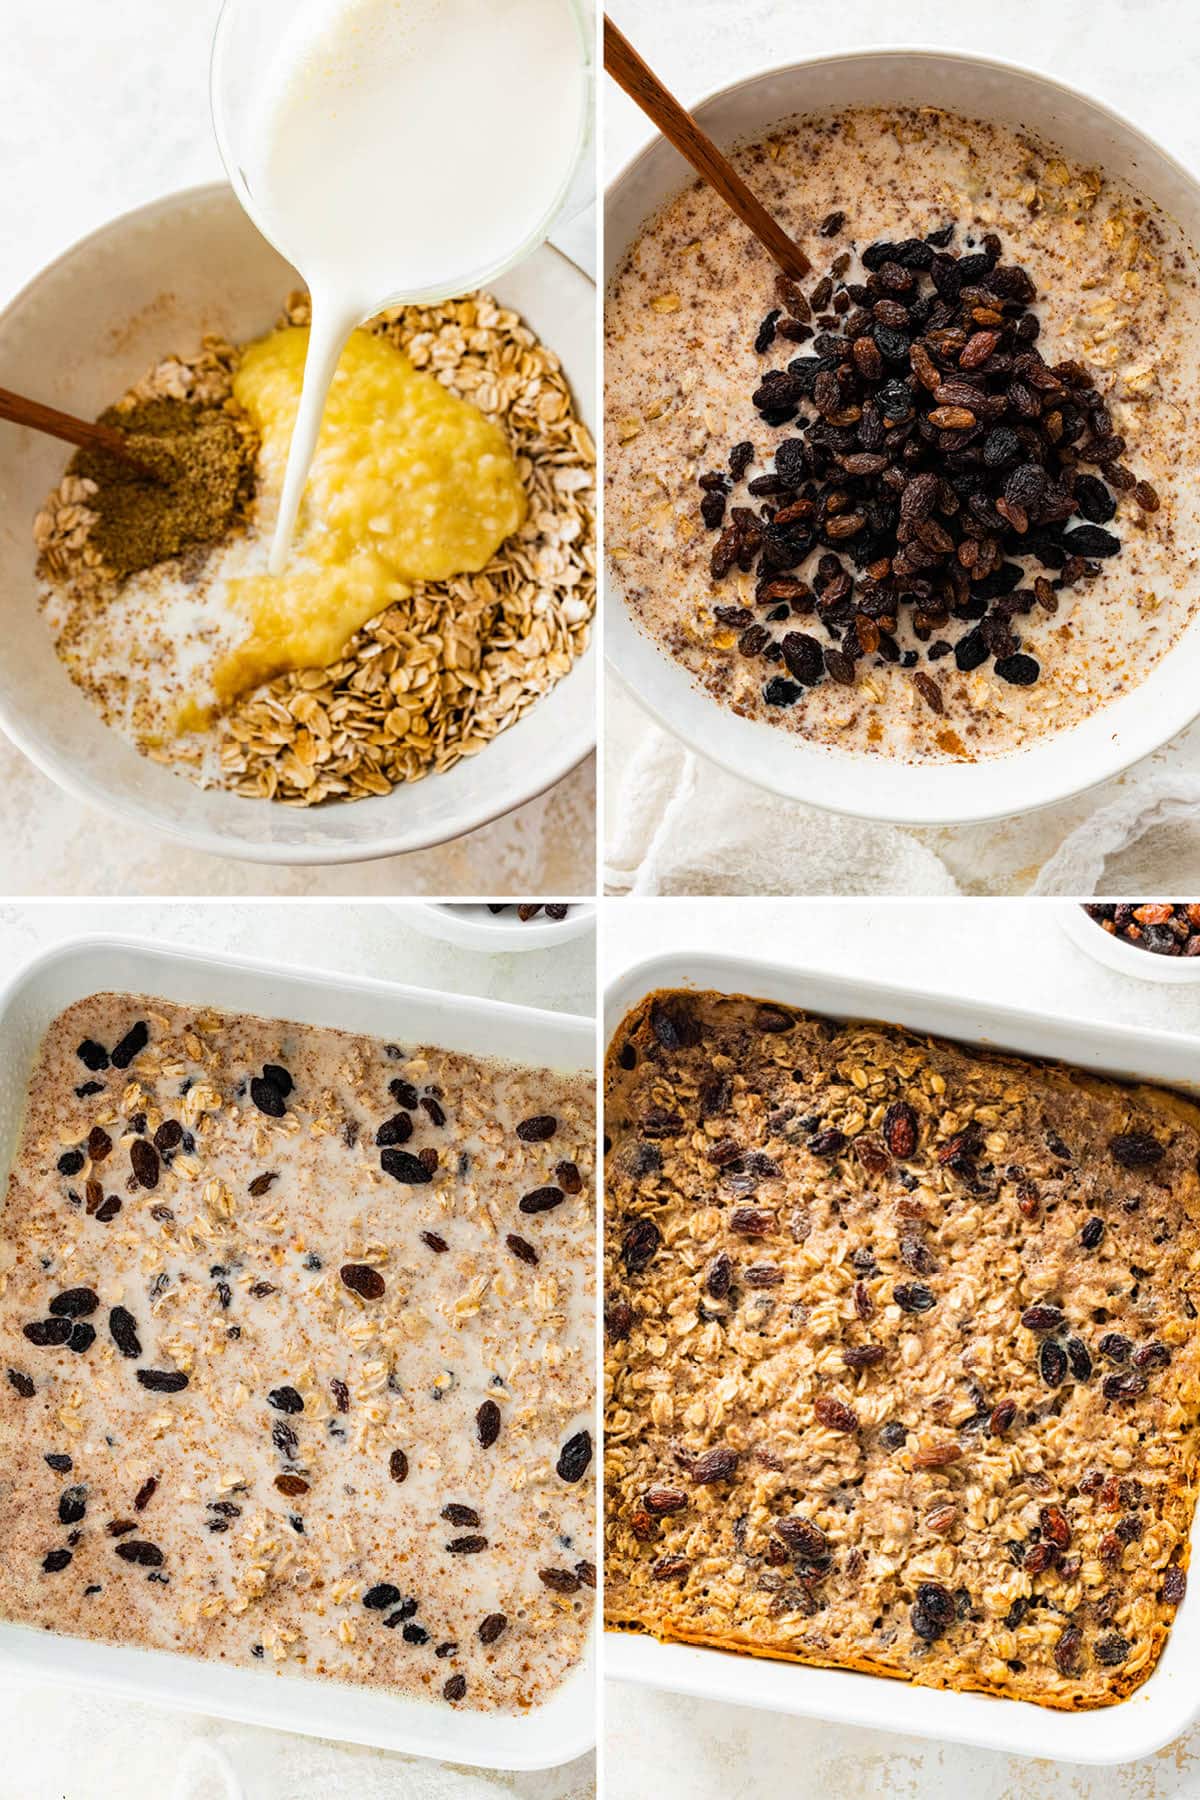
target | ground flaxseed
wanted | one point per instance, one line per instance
(201, 480)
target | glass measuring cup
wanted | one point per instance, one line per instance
(246, 45)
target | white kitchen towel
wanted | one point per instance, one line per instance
(684, 826)
(63, 1744)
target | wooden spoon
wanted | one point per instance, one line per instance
(679, 128)
(80, 432)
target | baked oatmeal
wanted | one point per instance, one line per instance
(903, 1362)
(934, 502)
(297, 1331)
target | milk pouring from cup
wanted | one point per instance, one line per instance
(402, 151)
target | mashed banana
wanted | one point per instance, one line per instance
(409, 483)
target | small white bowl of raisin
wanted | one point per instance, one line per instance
(505, 925)
(1155, 940)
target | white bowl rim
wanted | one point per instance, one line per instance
(1117, 953)
(75, 781)
(1151, 736)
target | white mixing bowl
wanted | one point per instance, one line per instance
(91, 324)
(874, 786)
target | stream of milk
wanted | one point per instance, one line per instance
(405, 151)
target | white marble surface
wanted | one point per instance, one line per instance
(103, 108)
(1141, 57)
(989, 950)
(60, 1744)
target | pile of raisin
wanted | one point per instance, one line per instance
(936, 462)
(1168, 928)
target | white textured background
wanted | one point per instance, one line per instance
(1141, 57)
(64, 1744)
(1010, 951)
(104, 106)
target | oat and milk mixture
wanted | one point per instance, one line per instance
(903, 1361)
(297, 1332)
(1076, 602)
(193, 661)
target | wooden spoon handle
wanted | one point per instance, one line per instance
(679, 128)
(48, 419)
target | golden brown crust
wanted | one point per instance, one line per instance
(836, 1433)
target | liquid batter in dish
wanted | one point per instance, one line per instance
(298, 1337)
(1116, 290)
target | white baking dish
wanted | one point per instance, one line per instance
(1165, 1705)
(562, 1728)
(877, 787)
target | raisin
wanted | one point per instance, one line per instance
(1136, 1150)
(717, 1464)
(487, 1424)
(366, 1282)
(136, 1550)
(381, 1597)
(1112, 1649)
(640, 1245)
(1002, 1418)
(834, 1415)
(900, 1130)
(401, 1165)
(537, 1129)
(569, 1178)
(72, 1505)
(455, 1514)
(131, 1045)
(559, 1581)
(22, 1383)
(55, 1561)
(803, 1538)
(575, 1457)
(396, 1130)
(1052, 1361)
(933, 1612)
(543, 1199)
(74, 1303)
(1091, 1234)
(828, 1143)
(285, 1400)
(92, 1055)
(521, 1249)
(47, 1334)
(1043, 1318)
(70, 1162)
(1068, 1651)
(492, 1628)
(467, 1546)
(123, 1328)
(1124, 1387)
(82, 1338)
(1079, 1359)
(1174, 1586)
(914, 1297)
(144, 1158)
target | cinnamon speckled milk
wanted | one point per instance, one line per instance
(316, 1485)
(1117, 290)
